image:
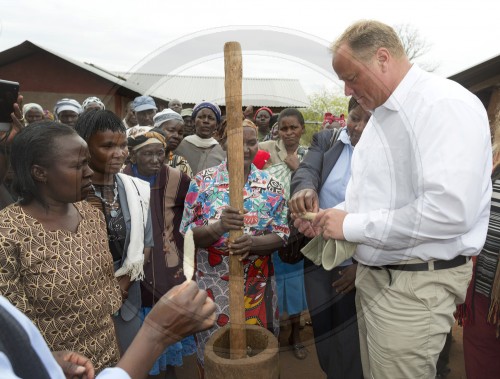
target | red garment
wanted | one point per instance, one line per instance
(261, 159)
(481, 347)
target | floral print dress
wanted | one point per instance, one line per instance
(263, 197)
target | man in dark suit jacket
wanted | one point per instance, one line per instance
(321, 180)
(330, 294)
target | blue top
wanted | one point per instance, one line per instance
(333, 190)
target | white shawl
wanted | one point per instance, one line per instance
(203, 143)
(138, 196)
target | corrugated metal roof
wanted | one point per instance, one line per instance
(27, 48)
(193, 89)
(188, 89)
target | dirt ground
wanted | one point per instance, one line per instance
(292, 368)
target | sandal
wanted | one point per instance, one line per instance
(299, 350)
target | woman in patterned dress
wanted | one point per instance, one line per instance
(54, 256)
(208, 213)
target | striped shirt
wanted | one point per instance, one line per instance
(487, 261)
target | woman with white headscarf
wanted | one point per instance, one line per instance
(93, 102)
(171, 125)
(32, 112)
(67, 111)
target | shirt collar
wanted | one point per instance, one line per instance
(344, 136)
(398, 97)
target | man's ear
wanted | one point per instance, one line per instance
(383, 56)
(39, 173)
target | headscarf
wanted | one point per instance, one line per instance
(144, 103)
(331, 118)
(67, 105)
(30, 106)
(212, 106)
(48, 115)
(187, 112)
(166, 115)
(93, 99)
(143, 136)
(263, 109)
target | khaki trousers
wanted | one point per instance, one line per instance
(404, 317)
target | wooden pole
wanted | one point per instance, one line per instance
(233, 83)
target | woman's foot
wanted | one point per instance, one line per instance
(299, 350)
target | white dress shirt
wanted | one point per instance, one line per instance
(43, 351)
(420, 184)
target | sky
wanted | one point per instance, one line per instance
(154, 35)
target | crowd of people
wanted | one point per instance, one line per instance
(96, 208)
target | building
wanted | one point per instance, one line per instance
(46, 76)
(484, 81)
(273, 93)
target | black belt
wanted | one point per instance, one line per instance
(426, 266)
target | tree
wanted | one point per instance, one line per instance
(415, 46)
(321, 102)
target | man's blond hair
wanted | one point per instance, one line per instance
(365, 37)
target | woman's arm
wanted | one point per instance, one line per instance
(11, 285)
(257, 245)
(207, 235)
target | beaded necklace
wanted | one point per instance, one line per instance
(113, 212)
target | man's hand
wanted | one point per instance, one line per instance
(302, 201)
(346, 282)
(331, 222)
(305, 227)
(74, 365)
(182, 311)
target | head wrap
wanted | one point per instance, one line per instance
(212, 106)
(144, 103)
(30, 106)
(166, 115)
(143, 136)
(67, 105)
(93, 99)
(331, 118)
(48, 115)
(187, 112)
(262, 109)
(249, 124)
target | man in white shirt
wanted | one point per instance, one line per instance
(417, 203)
